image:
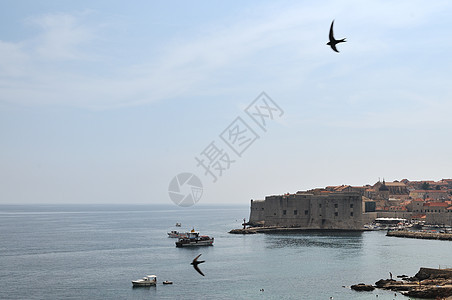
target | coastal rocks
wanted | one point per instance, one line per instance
(430, 293)
(427, 273)
(427, 283)
(382, 283)
(362, 287)
(393, 285)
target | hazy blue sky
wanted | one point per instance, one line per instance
(105, 102)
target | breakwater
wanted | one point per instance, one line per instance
(421, 235)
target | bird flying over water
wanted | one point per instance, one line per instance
(195, 264)
(332, 43)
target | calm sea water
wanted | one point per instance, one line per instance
(93, 252)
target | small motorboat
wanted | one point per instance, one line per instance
(178, 224)
(149, 280)
(167, 282)
(176, 234)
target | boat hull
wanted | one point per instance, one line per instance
(138, 284)
(194, 243)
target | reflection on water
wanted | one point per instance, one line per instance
(318, 239)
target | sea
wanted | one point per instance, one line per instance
(95, 251)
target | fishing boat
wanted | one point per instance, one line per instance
(193, 239)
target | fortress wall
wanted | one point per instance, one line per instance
(257, 211)
(337, 211)
(333, 211)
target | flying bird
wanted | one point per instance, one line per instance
(195, 264)
(332, 43)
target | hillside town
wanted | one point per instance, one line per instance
(425, 200)
(347, 207)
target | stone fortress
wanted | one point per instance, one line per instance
(306, 210)
(348, 208)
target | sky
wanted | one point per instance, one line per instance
(106, 102)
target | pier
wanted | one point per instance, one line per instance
(421, 235)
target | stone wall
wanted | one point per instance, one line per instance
(257, 211)
(304, 210)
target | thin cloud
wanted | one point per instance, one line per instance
(59, 59)
(61, 37)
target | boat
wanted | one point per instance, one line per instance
(193, 238)
(176, 234)
(178, 224)
(167, 282)
(148, 280)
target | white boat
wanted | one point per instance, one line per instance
(193, 238)
(176, 234)
(149, 280)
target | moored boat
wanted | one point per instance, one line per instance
(149, 280)
(176, 234)
(193, 238)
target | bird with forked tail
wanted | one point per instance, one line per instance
(333, 42)
(195, 264)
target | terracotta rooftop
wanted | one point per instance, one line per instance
(400, 184)
(436, 204)
(421, 216)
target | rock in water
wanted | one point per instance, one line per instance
(362, 287)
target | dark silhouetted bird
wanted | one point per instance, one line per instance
(195, 264)
(332, 43)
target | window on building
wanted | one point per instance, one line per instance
(295, 212)
(351, 214)
(284, 212)
(335, 214)
(306, 212)
(351, 205)
(320, 205)
(335, 205)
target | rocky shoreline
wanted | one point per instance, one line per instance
(427, 284)
(421, 235)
